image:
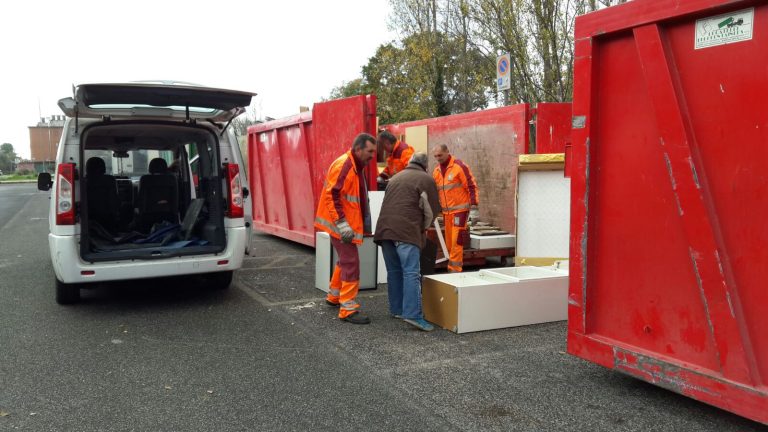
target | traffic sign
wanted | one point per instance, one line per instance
(503, 64)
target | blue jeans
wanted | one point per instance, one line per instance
(403, 278)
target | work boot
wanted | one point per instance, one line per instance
(420, 324)
(357, 318)
(330, 303)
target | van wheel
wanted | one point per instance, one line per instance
(219, 280)
(67, 293)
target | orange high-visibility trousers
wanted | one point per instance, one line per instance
(455, 225)
(345, 282)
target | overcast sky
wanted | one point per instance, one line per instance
(290, 52)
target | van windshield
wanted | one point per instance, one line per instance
(172, 107)
(130, 163)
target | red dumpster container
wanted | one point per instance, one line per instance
(489, 142)
(552, 123)
(289, 158)
(669, 187)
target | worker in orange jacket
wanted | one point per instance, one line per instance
(343, 213)
(399, 154)
(459, 199)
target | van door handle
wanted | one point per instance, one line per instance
(246, 192)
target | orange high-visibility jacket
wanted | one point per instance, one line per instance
(457, 187)
(398, 160)
(340, 198)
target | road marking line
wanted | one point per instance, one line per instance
(264, 301)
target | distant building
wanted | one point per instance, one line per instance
(44, 138)
(28, 166)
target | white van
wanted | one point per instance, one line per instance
(149, 182)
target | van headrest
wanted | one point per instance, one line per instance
(95, 167)
(158, 166)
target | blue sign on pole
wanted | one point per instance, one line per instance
(503, 64)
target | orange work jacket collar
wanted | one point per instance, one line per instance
(357, 164)
(446, 166)
(398, 149)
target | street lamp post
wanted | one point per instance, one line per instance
(48, 156)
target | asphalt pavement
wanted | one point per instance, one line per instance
(268, 354)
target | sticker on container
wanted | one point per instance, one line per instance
(725, 29)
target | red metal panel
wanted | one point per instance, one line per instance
(336, 125)
(553, 127)
(488, 142)
(280, 186)
(667, 215)
(288, 160)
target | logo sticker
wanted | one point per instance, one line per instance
(725, 29)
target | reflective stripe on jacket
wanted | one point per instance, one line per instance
(340, 199)
(398, 160)
(457, 187)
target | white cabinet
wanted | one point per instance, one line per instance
(495, 298)
(325, 260)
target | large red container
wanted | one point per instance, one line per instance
(552, 124)
(669, 208)
(488, 142)
(289, 158)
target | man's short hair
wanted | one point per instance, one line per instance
(420, 159)
(442, 147)
(361, 141)
(387, 135)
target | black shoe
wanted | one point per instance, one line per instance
(357, 318)
(330, 303)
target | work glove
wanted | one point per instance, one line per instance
(381, 183)
(474, 214)
(346, 232)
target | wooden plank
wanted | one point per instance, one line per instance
(417, 137)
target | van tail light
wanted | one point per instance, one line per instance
(65, 194)
(235, 208)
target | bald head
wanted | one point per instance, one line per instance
(441, 153)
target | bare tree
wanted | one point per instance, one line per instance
(445, 60)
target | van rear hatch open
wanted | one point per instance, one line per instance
(149, 99)
(152, 175)
(141, 181)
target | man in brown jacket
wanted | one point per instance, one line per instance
(410, 205)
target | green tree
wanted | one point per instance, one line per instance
(438, 34)
(445, 60)
(471, 72)
(7, 157)
(349, 88)
(396, 76)
(429, 72)
(538, 35)
(402, 76)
